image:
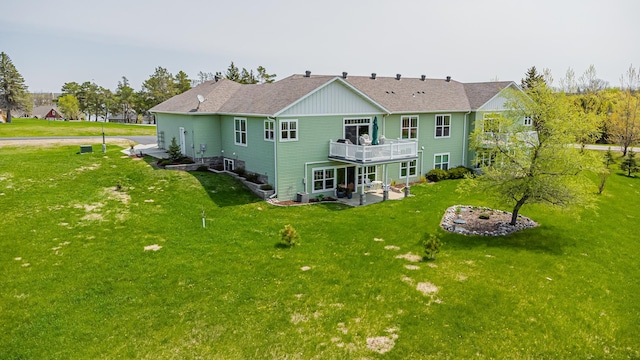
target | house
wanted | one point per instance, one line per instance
(312, 133)
(130, 116)
(46, 112)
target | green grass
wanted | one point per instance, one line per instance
(37, 127)
(567, 289)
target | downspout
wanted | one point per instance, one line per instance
(275, 159)
(464, 140)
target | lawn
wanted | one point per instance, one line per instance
(38, 127)
(77, 282)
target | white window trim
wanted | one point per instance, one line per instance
(271, 130)
(527, 121)
(448, 160)
(367, 174)
(236, 131)
(323, 169)
(288, 121)
(408, 167)
(410, 127)
(435, 129)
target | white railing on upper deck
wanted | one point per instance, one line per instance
(390, 150)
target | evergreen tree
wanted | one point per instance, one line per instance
(13, 91)
(532, 80)
(630, 163)
(182, 82)
(264, 77)
(232, 73)
(175, 154)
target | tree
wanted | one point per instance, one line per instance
(247, 77)
(13, 91)
(532, 79)
(630, 164)
(232, 73)
(175, 153)
(159, 87)
(624, 125)
(124, 99)
(182, 82)
(589, 81)
(69, 106)
(539, 166)
(264, 77)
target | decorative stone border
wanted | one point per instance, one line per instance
(452, 222)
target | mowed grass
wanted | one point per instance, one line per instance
(20, 127)
(77, 283)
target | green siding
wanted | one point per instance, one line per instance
(203, 129)
(312, 146)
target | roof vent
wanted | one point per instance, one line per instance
(373, 76)
(398, 76)
(448, 78)
(344, 74)
(307, 73)
(423, 77)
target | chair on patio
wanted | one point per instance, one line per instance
(365, 140)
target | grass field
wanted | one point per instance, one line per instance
(77, 283)
(38, 127)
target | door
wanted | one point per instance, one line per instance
(183, 145)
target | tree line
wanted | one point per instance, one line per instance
(89, 100)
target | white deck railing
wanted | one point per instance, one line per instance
(390, 150)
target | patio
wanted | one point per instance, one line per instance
(371, 197)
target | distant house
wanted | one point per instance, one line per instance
(316, 133)
(130, 117)
(46, 112)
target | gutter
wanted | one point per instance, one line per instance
(275, 158)
(464, 140)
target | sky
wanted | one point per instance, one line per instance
(54, 42)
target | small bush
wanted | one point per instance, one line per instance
(174, 151)
(431, 245)
(436, 175)
(459, 172)
(288, 236)
(266, 187)
(242, 172)
(202, 168)
(253, 177)
(484, 216)
(186, 160)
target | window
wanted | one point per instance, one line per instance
(528, 121)
(490, 123)
(324, 179)
(485, 158)
(409, 128)
(240, 130)
(408, 167)
(269, 129)
(441, 161)
(289, 130)
(229, 165)
(356, 127)
(369, 173)
(443, 126)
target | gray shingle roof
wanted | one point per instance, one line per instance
(406, 95)
(480, 93)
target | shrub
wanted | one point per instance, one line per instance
(289, 236)
(242, 172)
(459, 172)
(266, 187)
(174, 151)
(431, 245)
(186, 160)
(202, 168)
(630, 164)
(252, 177)
(436, 175)
(484, 216)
